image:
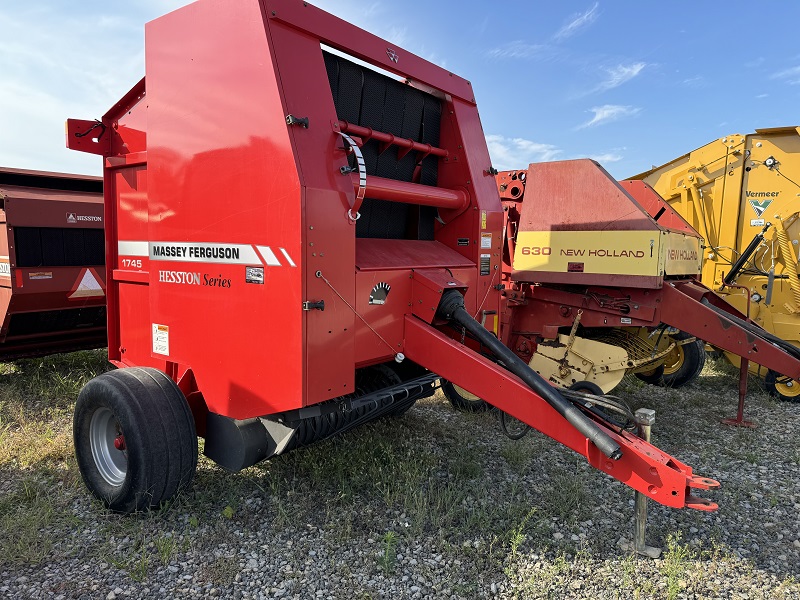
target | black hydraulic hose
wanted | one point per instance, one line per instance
(451, 308)
(739, 264)
(755, 330)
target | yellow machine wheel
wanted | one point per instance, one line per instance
(674, 360)
(684, 363)
(782, 387)
(461, 399)
(653, 376)
(681, 366)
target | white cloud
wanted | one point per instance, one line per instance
(518, 49)
(698, 81)
(616, 76)
(577, 22)
(61, 60)
(790, 76)
(609, 113)
(518, 153)
(606, 157)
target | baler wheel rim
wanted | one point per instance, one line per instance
(111, 463)
(685, 362)
(674, 360)
(463, 400)
(464, 393)
(784, 388)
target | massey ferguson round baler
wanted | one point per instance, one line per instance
(297, 244)
(52, 273)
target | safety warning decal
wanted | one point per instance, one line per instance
(86, 286)
(160, 339)
(40, 275)
(486, 241)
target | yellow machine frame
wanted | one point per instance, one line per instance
(730, 191)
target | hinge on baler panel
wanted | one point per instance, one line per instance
(292, 120)
(311, 305)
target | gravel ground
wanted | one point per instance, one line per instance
(435, 504)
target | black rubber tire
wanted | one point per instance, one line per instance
(160, 454)
(587, 386)
(653, 377)
(776, 387)
(461, 402)
(694, 358)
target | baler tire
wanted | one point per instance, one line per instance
(135, 439)
(587, 386)
(690, 359)
(783, 388)
(653, 377)
(461, 400)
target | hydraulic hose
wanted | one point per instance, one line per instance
(739, 264)
(451, 307)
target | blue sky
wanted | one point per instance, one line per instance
(629, 83)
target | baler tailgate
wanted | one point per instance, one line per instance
(642, 466)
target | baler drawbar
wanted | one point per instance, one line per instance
(340, 226)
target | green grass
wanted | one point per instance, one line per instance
(388, 556)
(450, 483)
(675, 564)
(29, 514)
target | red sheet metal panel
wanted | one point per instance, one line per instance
(656, 206)
(221, 171)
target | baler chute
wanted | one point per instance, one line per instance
(297, 243)
(615, 259)
(52, 278)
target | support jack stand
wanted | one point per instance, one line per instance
(645, 417)
(739, 420)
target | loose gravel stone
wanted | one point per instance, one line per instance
(438, 504)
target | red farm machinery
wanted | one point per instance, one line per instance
(601, 279)
(52, 257)
(299, 243)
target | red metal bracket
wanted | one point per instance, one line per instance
(428, 285)
(643, 467)
(88, 136)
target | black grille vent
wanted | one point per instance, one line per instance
(52, 181)
(369, 99)
(54, 321)
(59, 247)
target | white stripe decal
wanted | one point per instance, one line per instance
(289, 258)
(130, 248)
(204, 252)
(269, 256)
